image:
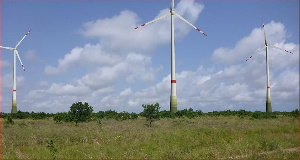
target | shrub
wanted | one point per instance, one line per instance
(80, 112)
(189, 113)
(62, 117)
(9, 120)
(21, 115)
(263, 115)
(166, 114)
(40, 115)
(134, 115)
(52, 149)
(151, 112)
(295, 113)
(110, 114)
(122, 116)
(100, 114)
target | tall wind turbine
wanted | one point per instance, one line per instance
(268, 101)
(173, 97)
(14, 96)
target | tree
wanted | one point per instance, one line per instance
(151, 112)
(80, 112)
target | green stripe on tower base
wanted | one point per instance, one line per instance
(173, 104)
(268, 105)
(14, 106)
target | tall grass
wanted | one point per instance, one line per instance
(200, 138)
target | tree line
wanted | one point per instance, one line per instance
(83, 112)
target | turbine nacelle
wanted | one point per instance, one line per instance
(15, 49)
(267, 45)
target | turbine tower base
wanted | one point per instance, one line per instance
(14, 106)
(173, 104)
(268, 105)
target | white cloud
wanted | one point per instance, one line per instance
(5, 64)
(126, 92)
(31, 56)
(89, 55)
(286, 86)
(64, 64)
(243, 49)
(118, 33)
(7, 81)
(67, 89)
(43, 83)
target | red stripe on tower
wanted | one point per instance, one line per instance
(268, 87)
(28, 32)
(173, 81)
(14, 90)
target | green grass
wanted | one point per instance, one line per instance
(200, 138)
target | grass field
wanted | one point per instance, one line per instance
(200, 138)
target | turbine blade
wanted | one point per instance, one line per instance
(157, 19)
(280, 49)
(22, 39)
(172, 5)
(264, 32)
(180, 17)
(256, 53)
(10, 48)
(20, 60)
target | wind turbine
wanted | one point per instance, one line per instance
(14, 96)
(173, 97)
(268, 101)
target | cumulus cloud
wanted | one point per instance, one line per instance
(118, 33)
(275, 32)
(89, 55)
(126, 92)
(67, 89)
(118, 39)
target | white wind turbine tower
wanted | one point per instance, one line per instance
(14, 96)
(173, 97)
(268, 101)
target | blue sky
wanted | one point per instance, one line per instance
(89, 51)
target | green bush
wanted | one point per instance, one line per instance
(134, 116)
(9, 120)
(21, 115)
(189, 113)
(52, 149)
(110, 114)
(122, 116)
(263, 115)
(40, 115)
(151, 112)
(62, 117)
(166, 114)
(80, 112)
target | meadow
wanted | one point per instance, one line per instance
(203, 137)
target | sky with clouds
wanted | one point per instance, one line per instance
(89, 51)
